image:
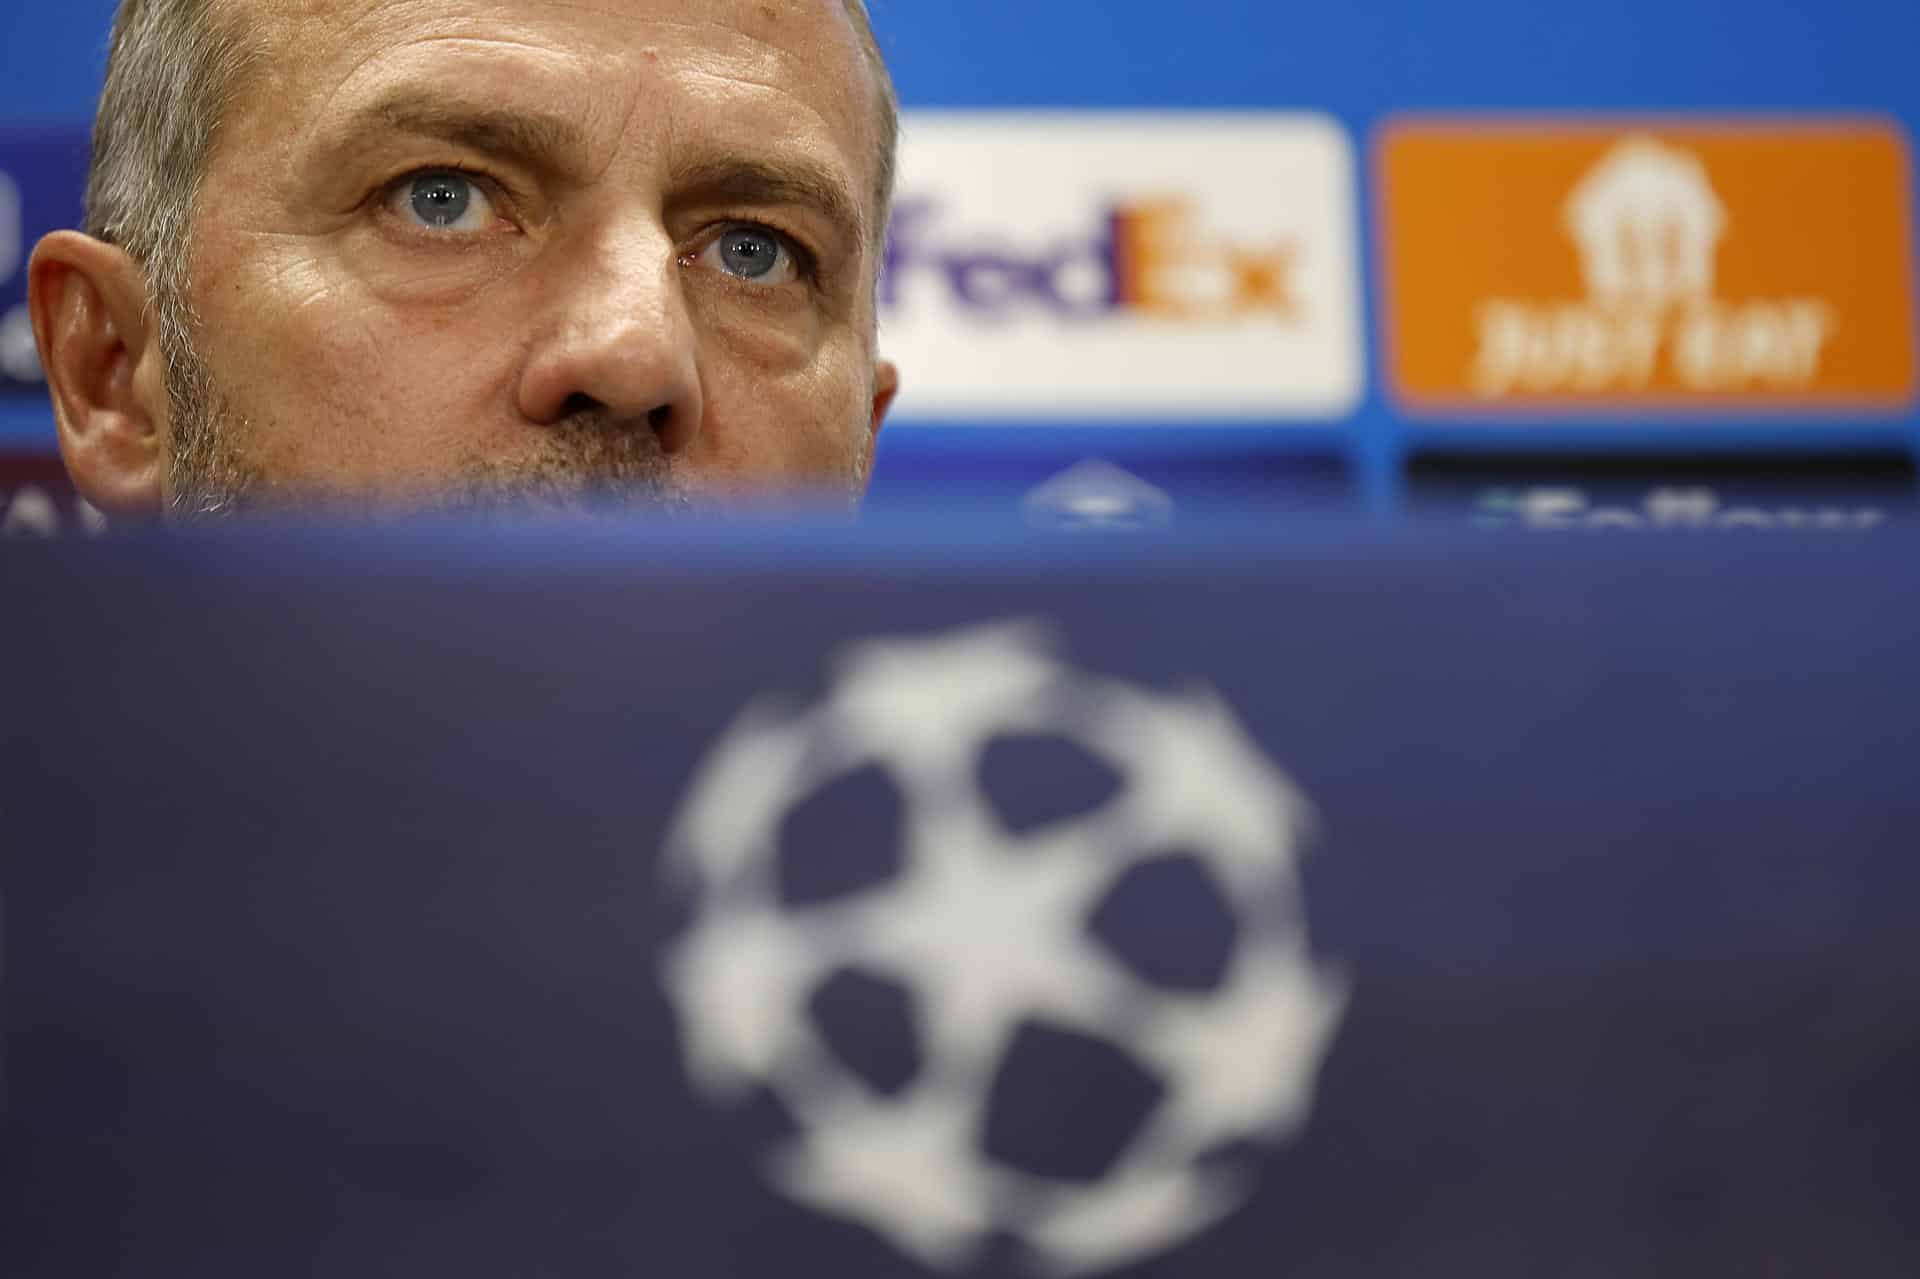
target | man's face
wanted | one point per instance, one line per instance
(452, 249)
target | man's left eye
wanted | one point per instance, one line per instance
(754, 254)
(443, 201)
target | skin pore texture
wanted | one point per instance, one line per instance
(538, 252)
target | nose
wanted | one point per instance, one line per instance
(617, 337)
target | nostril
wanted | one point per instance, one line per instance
(579, 404)
(674, 426)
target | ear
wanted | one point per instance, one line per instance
(100, 348)
(886, 385)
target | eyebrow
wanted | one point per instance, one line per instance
(787, 181)
(531, 138)
(545, 141)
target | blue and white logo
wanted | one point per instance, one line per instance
(1018, 950)
(1125, 265)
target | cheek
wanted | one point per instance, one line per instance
(807, 423)
(781, 335)
(340, 388)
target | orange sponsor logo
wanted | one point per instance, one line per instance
(1639, 265)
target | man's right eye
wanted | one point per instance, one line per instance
(442, 200)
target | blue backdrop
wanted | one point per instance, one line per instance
(1359, 63)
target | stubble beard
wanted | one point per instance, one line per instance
(592, 462)
(208, 475)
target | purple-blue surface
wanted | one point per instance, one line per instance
(334, 910)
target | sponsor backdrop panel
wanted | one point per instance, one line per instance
(1125, 265)
(1636, 265)
(1258, 231)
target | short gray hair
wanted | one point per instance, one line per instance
(174, 67)
(172, 70)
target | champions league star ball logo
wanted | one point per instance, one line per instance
(1019, 951)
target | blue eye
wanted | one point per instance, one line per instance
(755, 255)
(749, 254)
(445, 201)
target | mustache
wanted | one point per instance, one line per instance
(594, 459)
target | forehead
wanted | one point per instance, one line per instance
(791, 69)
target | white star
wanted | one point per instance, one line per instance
(1200, 781)
(989, 934)
(1109, 1225)
(927, 704)
(907, 1169)
(745, 978)
(1243, 1062)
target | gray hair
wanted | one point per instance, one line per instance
(172, 70)
(174, 67)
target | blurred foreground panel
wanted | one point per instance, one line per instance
(931, 899)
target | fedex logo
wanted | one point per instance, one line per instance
(1080, 267)
(1155, 257)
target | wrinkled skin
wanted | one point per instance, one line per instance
(453, 250)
